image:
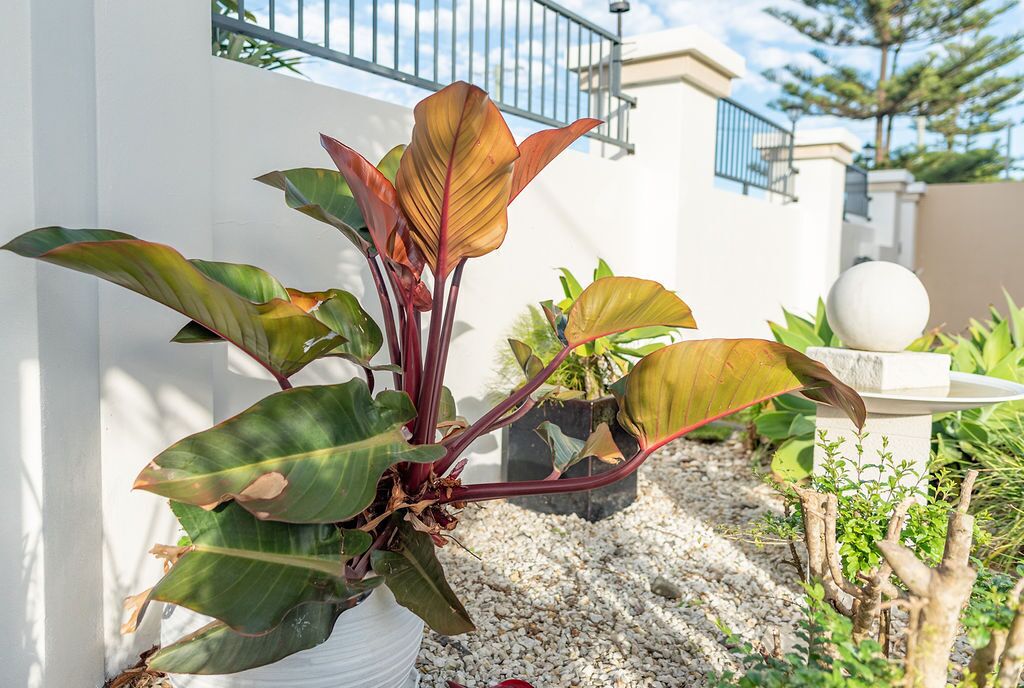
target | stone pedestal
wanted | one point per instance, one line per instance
(906, 437)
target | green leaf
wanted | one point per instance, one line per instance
(794, 403)
(774, 425)
(340, 311)
(308, 455)
(602, 270)
(617, 304)
(216, 649)
(323, 195)
(822, 328)
(570, 285)
(803, 425)
(689, 384)
(1016, 318)
(794, 459)
(528, 361)
(249, 573)
(802, 327)
(997, 346)
(446, 411)
(194, 333)
(794, 340)
(278, 334)
(568, 451)
(249, 282)
(415, 576)
(388, 165)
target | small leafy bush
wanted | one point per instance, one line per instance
(866, 505)
(826, 655)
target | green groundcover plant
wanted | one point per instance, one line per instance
(299, 506)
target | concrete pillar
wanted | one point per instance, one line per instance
(87, 100)
(677, 77)
(891, 442)
(894, 198)
(50, 577)
(820, 157)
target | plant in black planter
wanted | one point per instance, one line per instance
(578, 399)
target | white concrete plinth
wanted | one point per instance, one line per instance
(876, 371)
(908, 439)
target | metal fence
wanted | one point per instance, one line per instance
(535, 58)
(753, 151)
(856, 200)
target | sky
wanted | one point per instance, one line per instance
(764, 42)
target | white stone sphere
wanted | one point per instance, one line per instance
(877, 306)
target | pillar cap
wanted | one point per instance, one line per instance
(835, 143)
(894, 180)
(685, 54)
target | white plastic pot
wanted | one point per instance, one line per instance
(374, 645)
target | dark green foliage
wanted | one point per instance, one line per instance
(951, 166)
(950, 77)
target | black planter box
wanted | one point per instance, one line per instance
(526, 456)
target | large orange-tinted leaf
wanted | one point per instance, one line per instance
(309, 455)
(689, 384)
(374, 194)
(616, 304)
(541, 148)
(454, 179)
(277, 334)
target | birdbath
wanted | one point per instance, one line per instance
(877, 309)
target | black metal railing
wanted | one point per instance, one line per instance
(536, 59)
(856, 200)
(753, 151)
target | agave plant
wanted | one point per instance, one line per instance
(302, 503)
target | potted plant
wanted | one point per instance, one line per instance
(320, 501)
(577, 402)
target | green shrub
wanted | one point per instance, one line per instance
(865, 506)
(825, 656)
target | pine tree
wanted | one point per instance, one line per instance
(959, 58)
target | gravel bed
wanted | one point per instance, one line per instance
(562, 602)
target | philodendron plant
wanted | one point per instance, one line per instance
(300, 505)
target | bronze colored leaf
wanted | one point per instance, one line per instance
(454, 179)
(541, 148)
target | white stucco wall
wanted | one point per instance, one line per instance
(121, 132)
